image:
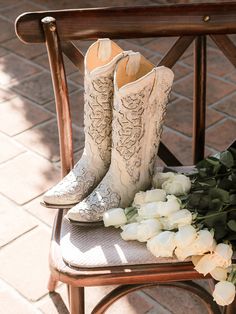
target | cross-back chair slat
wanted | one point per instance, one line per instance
(74, 54)
(226, 46)
(176, 51)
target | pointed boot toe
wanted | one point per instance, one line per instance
(82, 213)
(60, 196)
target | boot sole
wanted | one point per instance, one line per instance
(85, 224)
(58, 206)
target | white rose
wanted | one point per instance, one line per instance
(211, 263)
(219, 273)
(182, 254)
(180, 218)
(224, 293)
(162, 245)
(149, 197)
(165, 223)
(139, 199)
(156, 195)
(160, 177)
(149, 210)
(206, 264)
(185, 236)
(148, 229)
(114, 217)
(130, 231)
(223, 255)
(172, 205)
(195, 259)
(202, 244)
(178, 185)
(159, 209)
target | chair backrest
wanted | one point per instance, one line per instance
(189, 22)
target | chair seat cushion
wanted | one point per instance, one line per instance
(85, 247)
(94, 247)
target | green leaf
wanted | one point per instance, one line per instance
(207, 183)
(202, 172)
(203, 202)
(130, 210)
(216, 204)
(232, 199)
(194, 200)
(233, 152)
(213, 161)
(220, 194)
(220, 231)
(225, 183)
(227, 159)
(211, 221)
(231, 237)
(232, 225)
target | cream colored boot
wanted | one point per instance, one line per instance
(140, 98)
(100, 62)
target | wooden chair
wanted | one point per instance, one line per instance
(191, 23)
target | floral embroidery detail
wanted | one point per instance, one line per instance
(77, 184)
(102, 199)
(130, 128)
(159, 109)
(98, 113)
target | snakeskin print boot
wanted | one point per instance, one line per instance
(100, 61)
(140, 98)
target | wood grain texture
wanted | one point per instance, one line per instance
(61, 94)
(130, 22)
(226, 46)
(199, 103)
(74, 54)
(189, 286)
(176, 51)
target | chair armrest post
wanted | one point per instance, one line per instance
(60, 92)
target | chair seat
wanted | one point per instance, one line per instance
(99, 247)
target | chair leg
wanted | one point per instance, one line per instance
(76, 300)
(231, 309)
(52, 283)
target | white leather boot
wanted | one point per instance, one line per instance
(100, 61)
(140, 98)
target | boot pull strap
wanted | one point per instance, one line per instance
(133, 63)
(104, 49)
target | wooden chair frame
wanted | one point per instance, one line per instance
(190, 23)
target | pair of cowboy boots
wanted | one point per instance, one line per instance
(125, 104)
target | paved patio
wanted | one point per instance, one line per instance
(29, 157)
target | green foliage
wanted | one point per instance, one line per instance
(213, 194)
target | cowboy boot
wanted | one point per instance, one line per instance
(100, 61)
(141, 93)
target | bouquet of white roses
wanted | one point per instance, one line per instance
(189, 217)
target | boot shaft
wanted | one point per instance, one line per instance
(100, 61)
(140, 100)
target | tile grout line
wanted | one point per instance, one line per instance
(19, 295)
(18, 237)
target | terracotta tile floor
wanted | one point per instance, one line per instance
(29, 145)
